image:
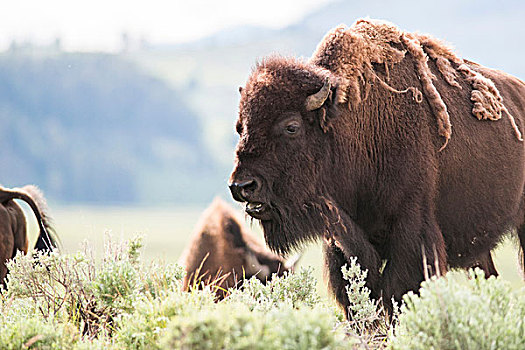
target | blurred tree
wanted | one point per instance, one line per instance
(91, 127)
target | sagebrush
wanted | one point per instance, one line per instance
(75, 301)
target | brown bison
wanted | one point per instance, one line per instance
(223, 252)
(390, 148)
(13, 231)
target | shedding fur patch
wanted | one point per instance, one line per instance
(351, 52)
(488, 103)
(425, 76)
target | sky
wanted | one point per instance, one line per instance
(98, 24)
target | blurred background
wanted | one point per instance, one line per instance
(123, 112)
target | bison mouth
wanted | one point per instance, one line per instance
(258, 210)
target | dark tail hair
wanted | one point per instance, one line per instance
(47, 238)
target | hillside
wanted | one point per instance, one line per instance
(156, 125)
(95, 128)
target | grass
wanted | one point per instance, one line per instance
(167, 230)
(70, 301)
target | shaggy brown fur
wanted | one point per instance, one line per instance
(369, 170)
(13, 232)
(352, 52)
(223, 252)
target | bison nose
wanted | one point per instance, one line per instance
(242, 190)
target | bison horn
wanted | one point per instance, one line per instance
(316, 100)
(291, 263)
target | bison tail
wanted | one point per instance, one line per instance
(47, 238)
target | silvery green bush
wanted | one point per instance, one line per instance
(26, 332)
(141, 328)
(81, 291)
(369, 324)
(285, 313)
(235, 326)
(21, 326)
(461, 311)
(362, 307)
(293, 290)
(74, 301)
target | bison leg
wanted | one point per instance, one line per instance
(7, 238)
(6, 249)
(487, 265)
(338, 249)
(333, 260)
(417, 250)
(19, 228)
(521, 236)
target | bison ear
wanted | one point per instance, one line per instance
(234, 233)
(329, 111)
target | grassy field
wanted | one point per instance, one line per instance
(166, 232)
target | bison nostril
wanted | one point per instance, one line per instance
(248, 186)
(241, 190)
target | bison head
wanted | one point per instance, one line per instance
(283, 155)
(223, 252)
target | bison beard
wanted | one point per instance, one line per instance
(293, 225)
(388, 147)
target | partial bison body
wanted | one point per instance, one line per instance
(223, 252)
(390, 148)
(13, 231)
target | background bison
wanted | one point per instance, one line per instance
(13, 231)
(222, 252)
(390, 148)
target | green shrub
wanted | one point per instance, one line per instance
(76, 302)
(286, 312)
(363, 308)
(293, 289)
(88, 294)
(462, 312)
(158, 278)
(141, 328)
(235, 326)
(96, 344)
(369, 323)
(23, 332)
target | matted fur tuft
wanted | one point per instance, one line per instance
(488, 103)
(425, 75)
(351, 53)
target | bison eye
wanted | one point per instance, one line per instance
(292, 128)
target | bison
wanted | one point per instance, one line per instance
(223, 252)
(13, 232)
(388, 147)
